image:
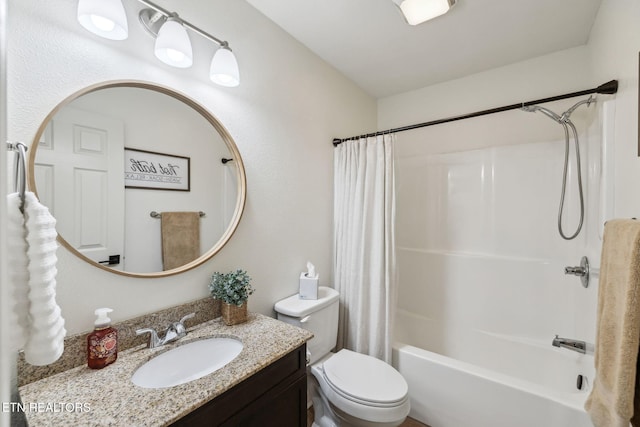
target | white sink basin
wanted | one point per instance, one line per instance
(187, 362)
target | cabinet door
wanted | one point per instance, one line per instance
(284, 407)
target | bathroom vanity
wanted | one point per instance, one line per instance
(265, 385)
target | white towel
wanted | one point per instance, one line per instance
(45, 342)
(17, 263)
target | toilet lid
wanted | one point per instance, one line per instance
(365, 378)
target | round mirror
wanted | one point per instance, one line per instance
(142, 180)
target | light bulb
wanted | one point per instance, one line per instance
(175, 55)
(102, 23)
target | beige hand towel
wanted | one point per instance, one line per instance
(180, 238)
(611, 402)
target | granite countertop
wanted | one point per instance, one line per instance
(107, 397)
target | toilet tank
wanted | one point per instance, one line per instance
(320, 316)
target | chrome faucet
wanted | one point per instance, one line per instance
(569, 344)
(175, 331)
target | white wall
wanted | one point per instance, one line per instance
(549, 75)
(613, 46)
(289, 106)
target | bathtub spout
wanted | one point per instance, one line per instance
(569, 344)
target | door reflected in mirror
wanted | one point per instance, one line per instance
(111, 155)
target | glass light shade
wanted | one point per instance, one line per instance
(224, 68)
(105, 18)
(173, 46)
(419, 11)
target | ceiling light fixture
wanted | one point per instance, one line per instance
(172, 46)
(418, 11)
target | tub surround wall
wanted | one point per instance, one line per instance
(283, 116)
(75, 346)
(477, 203)
(477, 238)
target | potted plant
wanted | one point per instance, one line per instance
(233, 290)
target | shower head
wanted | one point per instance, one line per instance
(545, 111)
(564, 118)
(566, 114)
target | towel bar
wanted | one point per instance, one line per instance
(155, 214)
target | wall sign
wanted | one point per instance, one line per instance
(156, 171)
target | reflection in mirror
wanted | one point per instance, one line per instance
(110, 155)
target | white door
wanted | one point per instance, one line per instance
(80, 176)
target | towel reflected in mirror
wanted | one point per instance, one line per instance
(180, 238)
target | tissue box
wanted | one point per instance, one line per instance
(308, 287)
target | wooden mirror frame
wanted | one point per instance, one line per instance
(226, 137)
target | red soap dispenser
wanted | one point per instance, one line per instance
(102, 343)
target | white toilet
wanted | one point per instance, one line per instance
(347, 388)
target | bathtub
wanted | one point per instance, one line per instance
(463, 377)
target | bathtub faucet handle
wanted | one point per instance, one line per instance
(582, 271)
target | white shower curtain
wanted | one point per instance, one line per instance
(364, 244)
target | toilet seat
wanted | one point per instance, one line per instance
(365, 379)
(363, 387)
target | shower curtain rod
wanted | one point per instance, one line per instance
(608, 88)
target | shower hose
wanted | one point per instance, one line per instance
(566, 124)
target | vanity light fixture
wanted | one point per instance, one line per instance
(418, 11)
(172, 46)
